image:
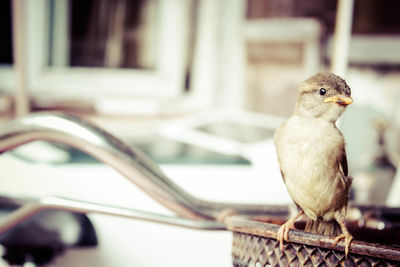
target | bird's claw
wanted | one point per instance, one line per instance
(347, 238)
(283, 233)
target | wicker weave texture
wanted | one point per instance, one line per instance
(251, 250)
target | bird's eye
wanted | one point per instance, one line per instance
(322, 91)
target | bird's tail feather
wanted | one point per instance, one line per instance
(323, 228)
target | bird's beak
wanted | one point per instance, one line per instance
(341, 100)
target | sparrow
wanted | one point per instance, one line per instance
(312, 158)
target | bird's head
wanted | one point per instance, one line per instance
(324, 95)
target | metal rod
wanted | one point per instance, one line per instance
(128, 161)
(30, 207)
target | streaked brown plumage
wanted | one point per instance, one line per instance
(312, 157)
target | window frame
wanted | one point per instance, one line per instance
(166, 81)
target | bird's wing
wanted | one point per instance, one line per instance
(343, 163)
(343, 169)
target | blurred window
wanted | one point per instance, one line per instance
(103, 33)
(111, 48)
(95, 49)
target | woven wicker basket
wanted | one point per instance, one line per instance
(255, 244)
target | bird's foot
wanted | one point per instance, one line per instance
(283, 232)
(347, 238)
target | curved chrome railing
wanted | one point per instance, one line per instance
(129, 161)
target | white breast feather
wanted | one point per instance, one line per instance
(302, 161)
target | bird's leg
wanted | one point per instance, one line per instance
(283, 232)
(346, 235)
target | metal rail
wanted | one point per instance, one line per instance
(128, 161)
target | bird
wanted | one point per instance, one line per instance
(312, 158)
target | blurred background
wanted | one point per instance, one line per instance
(199, 86)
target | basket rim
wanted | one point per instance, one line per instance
(244, 224)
